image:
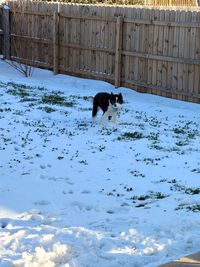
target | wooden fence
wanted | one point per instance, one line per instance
(5, 31)
(150, 50)
(1, 30)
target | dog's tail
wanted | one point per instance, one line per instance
(94, 109)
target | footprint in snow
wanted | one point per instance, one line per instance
(4, 222)
(81, 206)
(70, 183)
(86, 192)
(42, 167)
(41, 203)
(88, 208)
(77, 205)
(110, 211)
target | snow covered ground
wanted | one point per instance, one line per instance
(73, 194)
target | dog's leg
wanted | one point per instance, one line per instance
(114, 118)
(104, 118)
(94, 113)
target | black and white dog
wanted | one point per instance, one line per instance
(110, 105)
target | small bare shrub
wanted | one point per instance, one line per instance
(20, 48)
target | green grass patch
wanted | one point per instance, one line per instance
(192, 191)
(150, 195)
(56, 99)
(137, 174)
(194, 208)
(130, 136)
(48, 109)
(18, 92)
(26, 92)
(181, 143)
(179, 131)
(29, 99)
(197, 170)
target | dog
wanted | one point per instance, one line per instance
(110, 104)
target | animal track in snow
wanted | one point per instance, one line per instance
(41, 202)
(86, 192)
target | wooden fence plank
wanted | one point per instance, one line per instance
(6, 31)
(181, 53)
(150, 49)
(155, 50)
(170, 53)
(176, 41)
(197, 56)
(160, 49)
(165, 66)
(118, 59)
(55, 42)
(192, 47)
(187, 54)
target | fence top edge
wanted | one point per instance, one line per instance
(190, 24)
(49, 13)
(116, 6)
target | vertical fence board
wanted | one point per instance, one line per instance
(170, 54)
(1, 30)
(191, 54)
(182, 32)
(55, 42)
(165, 65)
(197, 56)
(150, 49)
(160, 49)
(6, 30)
(118, 59)
(186, 71)
(155, 50)
(175, 55)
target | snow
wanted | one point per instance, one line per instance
(75, 194)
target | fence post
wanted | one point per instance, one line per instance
(118, 51)
(55, 42)
(6, 32)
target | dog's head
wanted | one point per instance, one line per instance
(116, 100)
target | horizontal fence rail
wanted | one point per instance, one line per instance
(149, 50)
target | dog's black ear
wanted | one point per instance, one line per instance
(112, 93)
(121, 98)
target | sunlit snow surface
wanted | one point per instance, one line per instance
(75, 194)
